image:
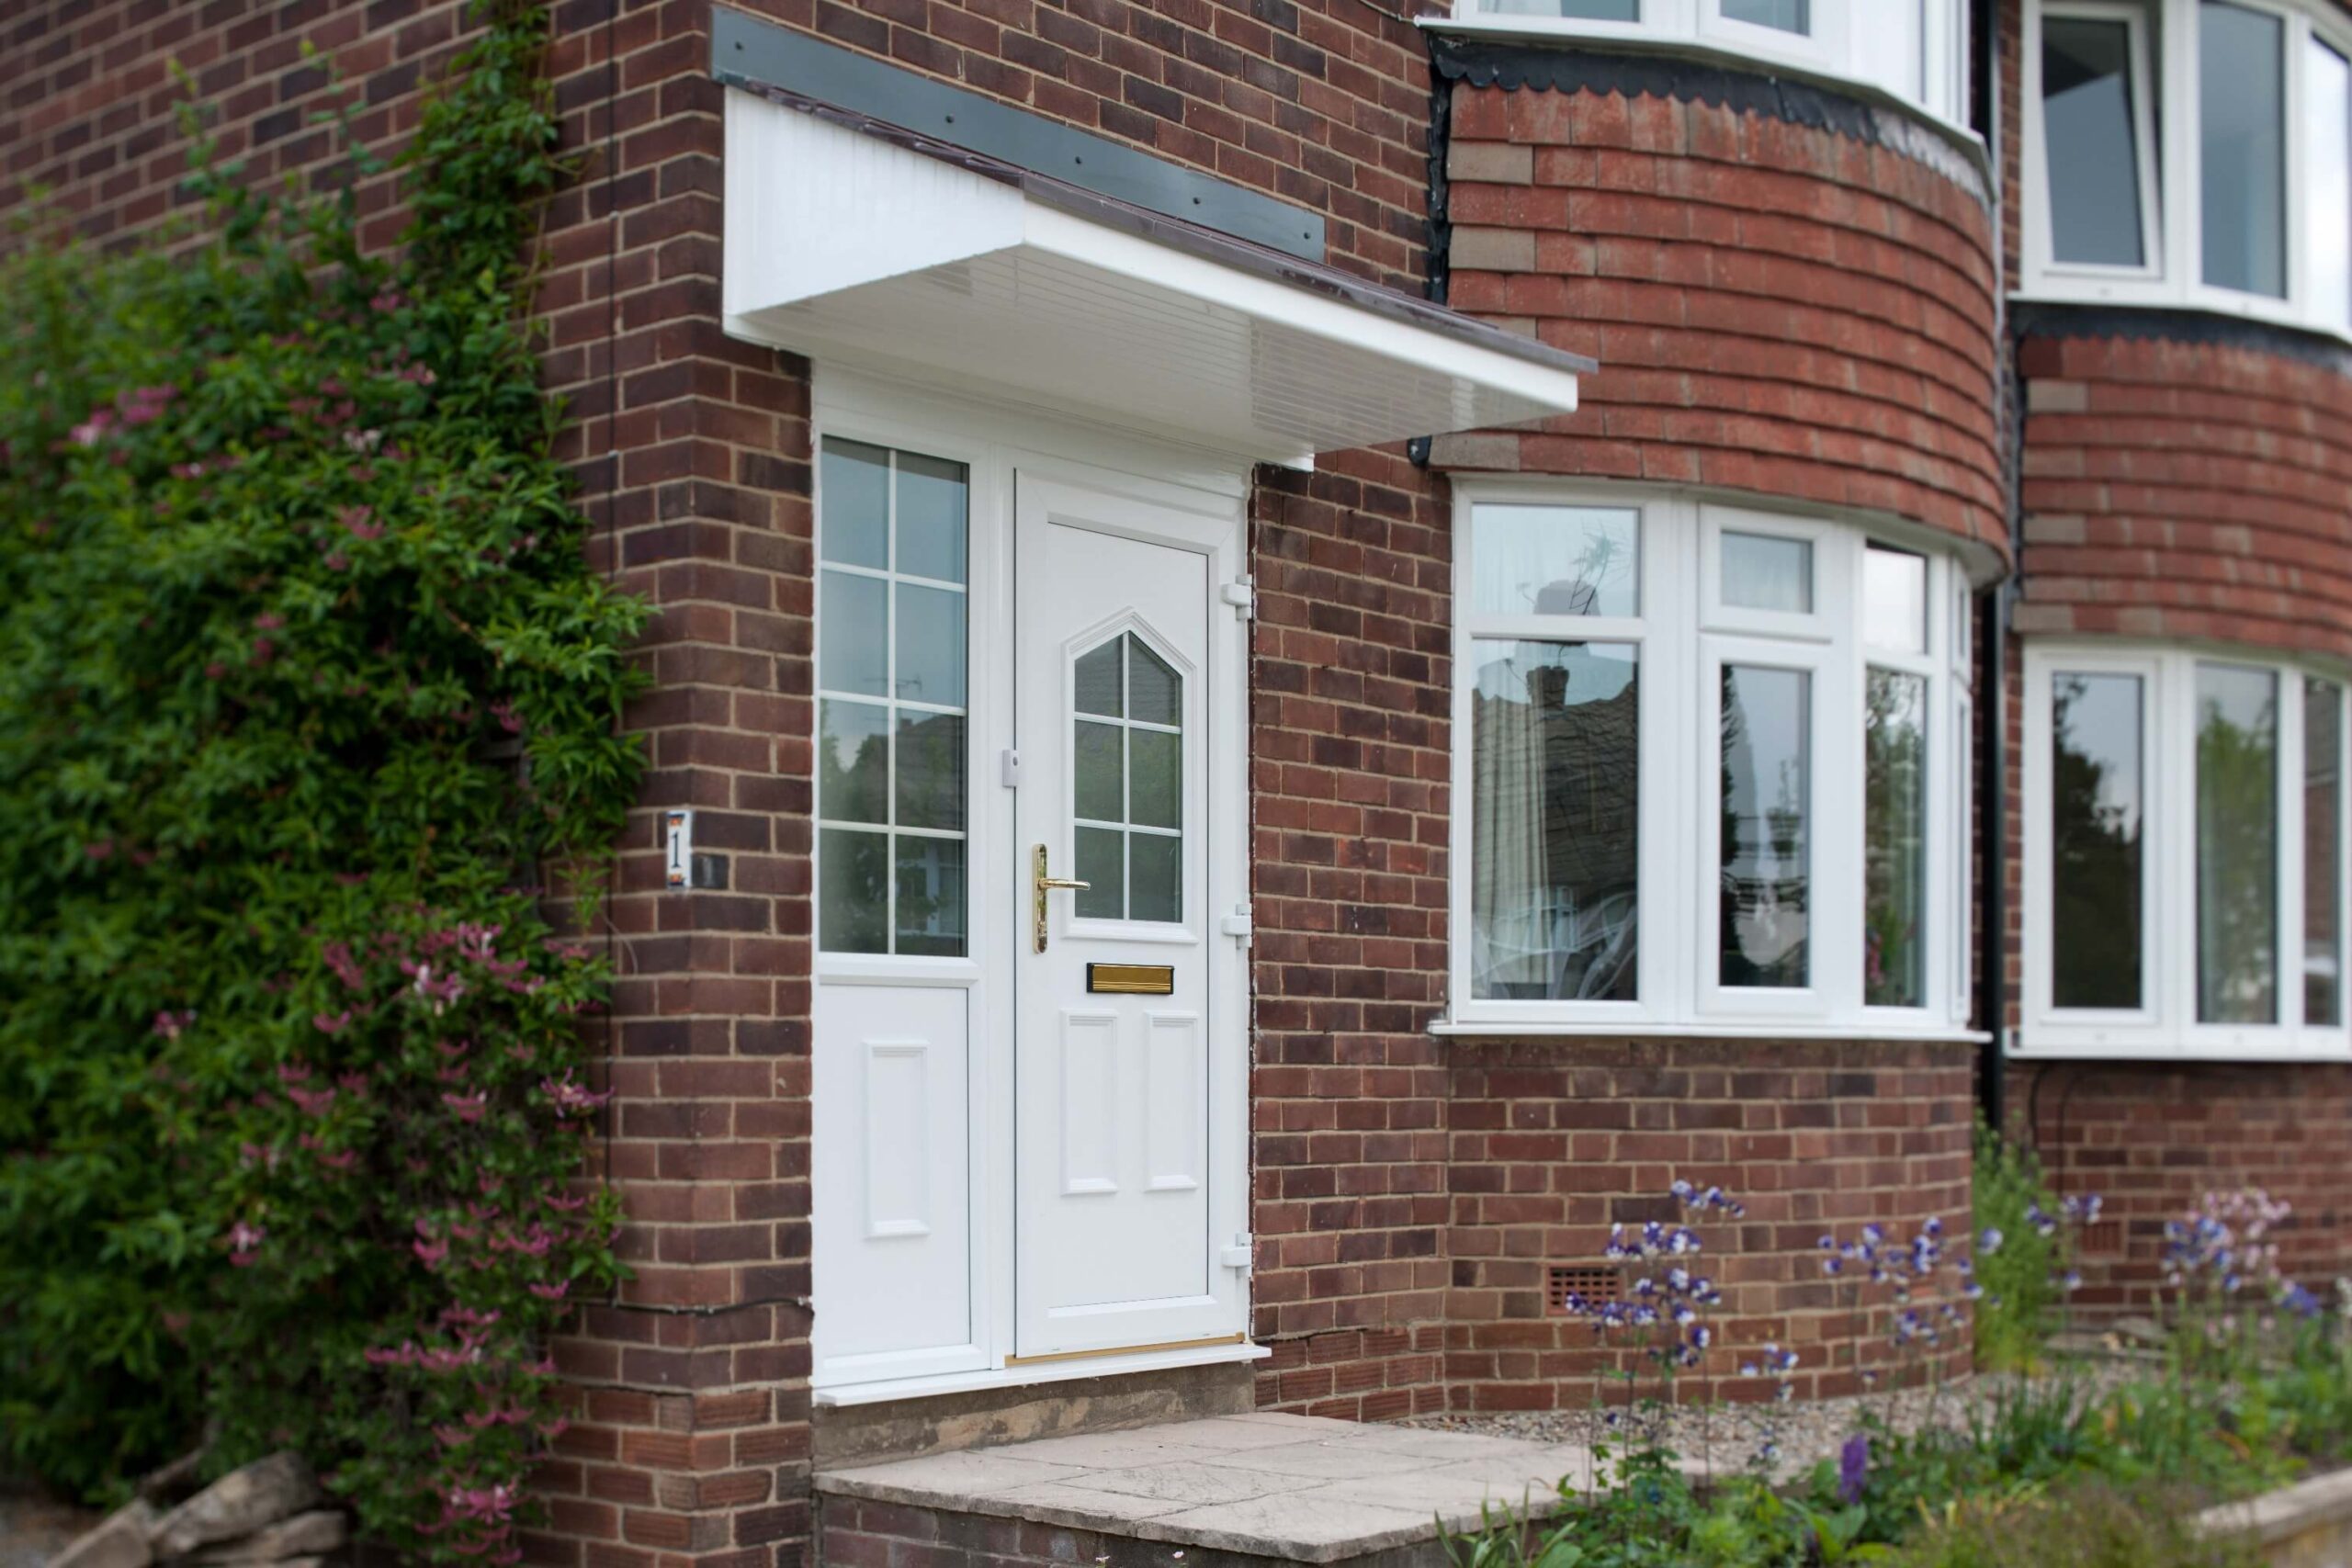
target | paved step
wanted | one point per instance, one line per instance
(1239, 1489)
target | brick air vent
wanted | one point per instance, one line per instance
(2103, 1238)
(1592, 1284)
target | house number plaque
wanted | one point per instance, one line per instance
(1131, 979)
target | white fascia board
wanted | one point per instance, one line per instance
(1131, 255)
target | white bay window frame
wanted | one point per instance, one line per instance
(1913, 49)
(2166, 1024)
(2168, 141)
(1686, 633)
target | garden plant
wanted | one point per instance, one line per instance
(309, 758)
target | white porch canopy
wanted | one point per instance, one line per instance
(850, 242)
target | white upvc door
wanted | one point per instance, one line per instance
(1127, 1034)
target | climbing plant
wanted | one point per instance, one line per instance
(309, 715)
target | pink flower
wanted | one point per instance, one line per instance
(360, 520)
(571, 1097)
(430, 1254)
(554, 1292)
(100, 849)
(468, 1107)
(169, 1024)
(244, 1243)
(269, 621)
(332, 1024)
(87, 432)
(315, 1102)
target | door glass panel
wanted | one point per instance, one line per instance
(2091, 140)
(1128, 782)
(1097, 769)
(2240, 105)
(932, 506)
(1556, 560)
(892, 772)
(1765, 571)
(855, 526)
(2096, 759)
(2237, 844)
(1766, 849)
(2323, 853)
(1555, 814)
(930, 647)
(854, 652)
(1895, 840)
(1099, 681)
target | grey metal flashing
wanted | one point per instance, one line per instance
(1194, 239)
(2174, 323)
(750, 51)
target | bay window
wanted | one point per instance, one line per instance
(2191, 153)
(2184, 814)
(1915, 50)
(1709, 770)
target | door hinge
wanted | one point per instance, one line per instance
(1237, 924)
(1242, 596)
(1010, 767)
(1237, 1255)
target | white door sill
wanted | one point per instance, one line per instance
(843, 1394)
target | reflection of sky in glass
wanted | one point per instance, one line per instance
(2327, 181)
(2097, 716)
(2241, 108)
(2086, 120)
(1556, 560)
(1895, 599)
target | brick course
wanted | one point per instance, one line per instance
(1777, 309)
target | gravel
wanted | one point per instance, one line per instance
(1723, 1439)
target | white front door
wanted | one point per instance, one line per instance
(1023, 1154)
(1118, 1173)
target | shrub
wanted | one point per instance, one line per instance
(2021, 1275)
(306, 688)
(2092, 1526)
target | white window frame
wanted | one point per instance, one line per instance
(2171, 166)
(1686, 633)
(2165, 1025)
(1935, 81)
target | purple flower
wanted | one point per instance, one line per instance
(1854, 1467)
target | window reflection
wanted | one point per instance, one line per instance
(1555, 820)
(2090, 142)
(2237, 844)
(2323, 853)
(2096, 761)
(1766, 843)
(1895, 834)
(2242, 95)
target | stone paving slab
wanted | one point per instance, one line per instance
(1292, 1487)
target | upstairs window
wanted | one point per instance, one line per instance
(1912, 49)
(2191, 153)
(2185, 856)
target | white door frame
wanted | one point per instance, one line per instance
(999, 443)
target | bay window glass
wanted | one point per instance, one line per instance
(2237, 844)
(2322, 868)
(2091, 81)
(1914, 49)
(2242, 97)
(1555, 849)
(2164, 791)
(1785, 15)
(2327, 182)
(891, 658)
(2099, 765)
(1596, 639)
(2234, 193)
(1765, 840)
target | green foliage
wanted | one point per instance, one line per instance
(2020, 1276)
(305, 688)
(2090, 1526)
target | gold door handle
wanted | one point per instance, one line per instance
(1044, 885)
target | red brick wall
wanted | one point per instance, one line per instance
(2151, 1139)
(1551, 1142)
(1350, 698)
(2181, 489)
(1776, 308)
